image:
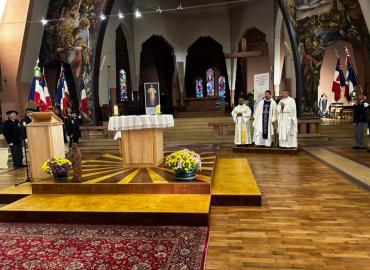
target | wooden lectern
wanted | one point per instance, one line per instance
(45, 141)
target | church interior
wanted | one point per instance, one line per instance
(185, 134)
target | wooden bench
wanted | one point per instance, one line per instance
(222, 128)
(309, 127)
(86, 130)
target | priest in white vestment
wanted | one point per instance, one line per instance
(241, 115)
(287, 121)
(264, 120)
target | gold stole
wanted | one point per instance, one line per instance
(244, 139)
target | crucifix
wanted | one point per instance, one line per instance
(243, 56)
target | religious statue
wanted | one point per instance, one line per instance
(287, 121)
(323, 105)
(241, 115)
(264, 118)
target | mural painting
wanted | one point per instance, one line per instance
(318, 24)
(71, 37)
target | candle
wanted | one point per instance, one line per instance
(158, 109)
(115, 110)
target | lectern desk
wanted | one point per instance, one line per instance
(142, 138)
(45, 141)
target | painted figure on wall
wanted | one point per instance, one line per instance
(199, 87)
(210, 82)
(123, 95)
(73, 39)
(319, 23)
(222, 86)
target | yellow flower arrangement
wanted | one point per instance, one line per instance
(184, 162)
(57, 166)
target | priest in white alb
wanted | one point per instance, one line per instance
(287, 121)
(241, 115)
(264, 120)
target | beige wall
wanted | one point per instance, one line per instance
(12, 36)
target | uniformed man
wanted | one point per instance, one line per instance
(13, 136)
(73, 128)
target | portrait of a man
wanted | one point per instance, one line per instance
(151, 94)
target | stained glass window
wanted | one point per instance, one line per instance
(222, 86)
(210, 82)
(199, 87)
(123, 95)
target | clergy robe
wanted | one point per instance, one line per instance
(264, 117)
(287, 123)
(242, 128)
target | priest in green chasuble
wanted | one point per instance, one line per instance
(241, 115)
(287, 121)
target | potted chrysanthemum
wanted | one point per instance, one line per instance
(58, 168)
(185, 163)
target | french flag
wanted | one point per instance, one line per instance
(48, 102)
(351, 81)
(63, 98)
(84, 102)
(37, 94)
(339, 81)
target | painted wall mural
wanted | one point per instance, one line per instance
(72, 39)
(318, 24)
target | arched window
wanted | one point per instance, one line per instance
(222, 86)
(199, 87)
(210, 82)
(123, 96)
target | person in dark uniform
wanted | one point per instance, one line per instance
(13, 136)
(360, 120)
(73, 128)
(58, 112)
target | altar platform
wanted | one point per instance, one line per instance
(267, 150)
(149, 196)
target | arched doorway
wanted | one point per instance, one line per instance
(252, 40)
(123, 95)
(206, 80)
(157, 64)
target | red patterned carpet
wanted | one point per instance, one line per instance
(60, 246)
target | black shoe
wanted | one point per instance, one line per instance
(362, 148)
(355, 147)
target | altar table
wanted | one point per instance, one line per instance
(142, 138)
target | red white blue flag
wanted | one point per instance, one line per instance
(339, 81)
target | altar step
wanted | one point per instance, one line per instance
(133, 209)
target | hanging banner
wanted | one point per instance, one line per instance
(152, 97)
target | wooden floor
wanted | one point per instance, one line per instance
(311, 218)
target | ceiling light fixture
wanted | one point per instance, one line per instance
(137, 13)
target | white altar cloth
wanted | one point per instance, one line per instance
(132, 122)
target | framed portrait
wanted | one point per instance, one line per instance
(152, 95)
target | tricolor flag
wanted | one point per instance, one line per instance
(339, 81)
(37, 94)
(48, 102)
(351, 81)
(63, 98)
(84, 102)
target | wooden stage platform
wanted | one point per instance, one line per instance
(267, 150)
(110, 194)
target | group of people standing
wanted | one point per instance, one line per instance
(267, 115)
(15, 131)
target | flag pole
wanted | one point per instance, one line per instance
(354, 70)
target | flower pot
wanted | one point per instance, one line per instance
(60, 177)
(184, 176)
